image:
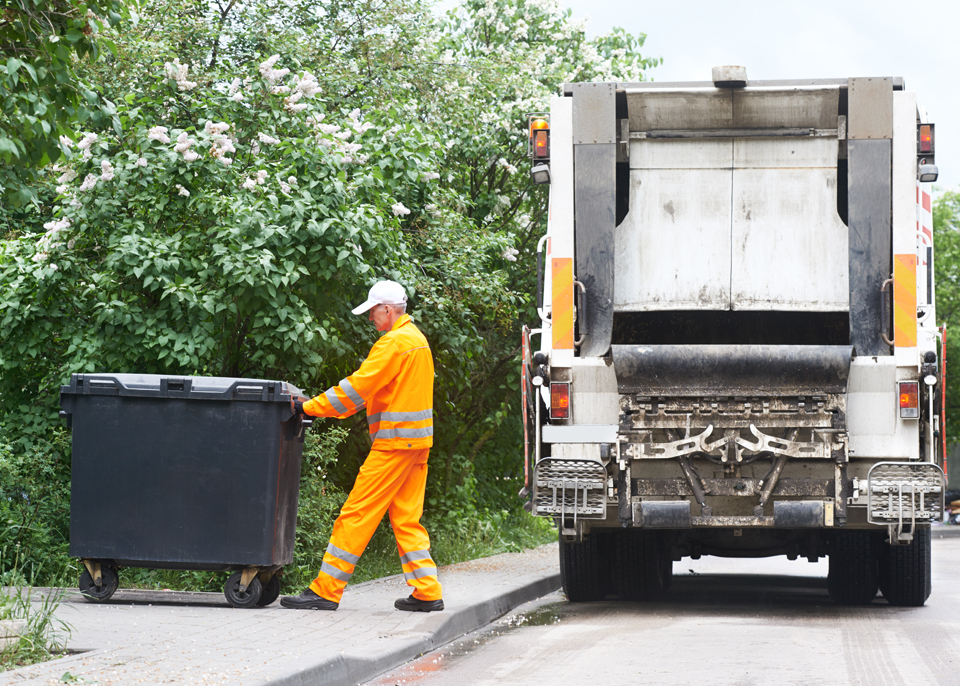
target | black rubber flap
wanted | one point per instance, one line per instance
(724, 370)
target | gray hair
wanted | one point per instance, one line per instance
(399, 307)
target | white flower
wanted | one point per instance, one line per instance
(507, 166)
(86, 155)
(40, 257)
(292, 180)
(284, 188)
(268, 64)
(54, 38)
(62, 190)
(53, 228)
(399, 209)
(225, 161)
(141, 162)
(106, 170)
(87, 141)
(66, 142)
(344, 135)
(213, 129)
(191, 155)
(430, 176)
(248, 184)
(510, 254)
(159, 133)
(261, 176)
(54, 267)
(294, 107)
(237, 97)
(351, 148)
(182, 191)
(269, 140)
(328, 128)
(255, 149)
(178, 72)
(235, 85)
(67, 176)
(70, 244)
(280, 90)
(88, 182)
(307, 84)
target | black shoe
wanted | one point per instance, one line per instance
(308, 600)
(412, 604)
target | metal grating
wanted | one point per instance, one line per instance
(575, 488)
(904, 492)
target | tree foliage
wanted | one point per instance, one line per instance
(266, 163)
(946, 235)
(42, 99)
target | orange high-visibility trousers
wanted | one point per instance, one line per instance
(389, 480)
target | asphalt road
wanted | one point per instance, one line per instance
(725, 622)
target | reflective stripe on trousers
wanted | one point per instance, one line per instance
(389, 481)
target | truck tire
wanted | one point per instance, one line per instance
(905, 571)
(853, 575)
(640, 569)
(583, 569)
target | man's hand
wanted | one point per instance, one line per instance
(296, 404)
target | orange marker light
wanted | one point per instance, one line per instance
(559, 401)
(909, 400)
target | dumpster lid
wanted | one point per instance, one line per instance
(186, 387)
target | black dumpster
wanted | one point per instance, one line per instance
(183, 473)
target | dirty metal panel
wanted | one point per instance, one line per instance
(595, 212)
(681, 153)
(653, 110)
(875, 429)
(796, 107)
(594, 113)
(656, 268)
(790, 247)
(673, 370)
(870, 256)
(870, 109)
(734, 487)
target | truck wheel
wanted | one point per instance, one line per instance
(109, 580)
(852, 578)
(641, 571)
(905, 571)
(583, 569)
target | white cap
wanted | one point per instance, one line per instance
(383, 293)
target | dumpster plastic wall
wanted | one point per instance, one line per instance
(183, 472)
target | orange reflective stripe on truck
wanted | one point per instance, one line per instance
(562, 300)
(905, 300)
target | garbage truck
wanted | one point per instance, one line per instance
(737, 352)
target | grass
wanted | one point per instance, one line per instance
(45, 635)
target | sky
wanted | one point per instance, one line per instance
(774, 39)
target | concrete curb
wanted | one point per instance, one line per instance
(350, 670)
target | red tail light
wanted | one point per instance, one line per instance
(925, 139)
(541, 143)
(909, 400)
(560, 401)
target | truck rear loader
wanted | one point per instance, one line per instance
(738, 352)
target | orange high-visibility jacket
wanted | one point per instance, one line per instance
(394, 384)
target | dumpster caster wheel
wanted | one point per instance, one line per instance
(109, 580)
(242, 599)
(270, 592)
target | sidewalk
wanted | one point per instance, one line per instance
(164, 637)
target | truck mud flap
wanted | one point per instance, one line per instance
(665, 514)
(732, 369)
(789, 514)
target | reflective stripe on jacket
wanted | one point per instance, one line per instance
(394, 384)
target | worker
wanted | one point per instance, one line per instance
(395, 385)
